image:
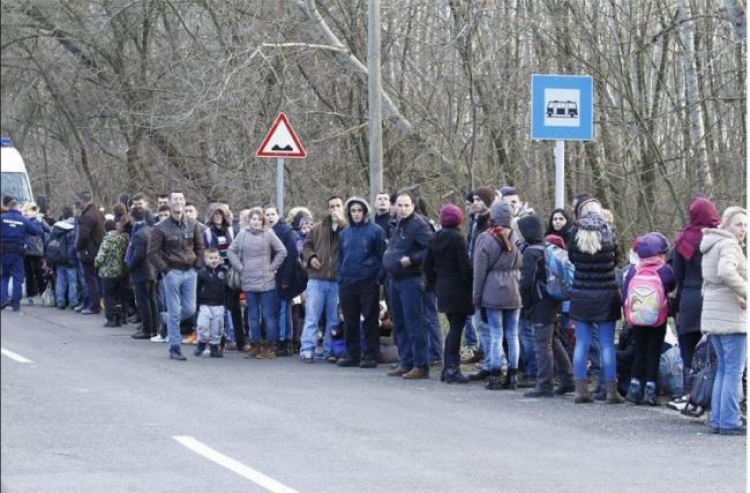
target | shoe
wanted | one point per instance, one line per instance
(526, 382)
(199, 349)
(230, 346)
(282, 350)
(740, 430)
(416, 374)
(87, 311)
(435, 362)
(267, 352)
(479, 376)
(368, 363)
(252, 350)
(564, 388)
(475, 357)
(61, 307)
(582, 392)
(111, 323)
(494, 381)
(347, 362)
(134, 319)
(511, 381)
(332, 359)
(307, 359)
(215, 353)
(78, 308)
(158, 338)
(635, 393)
(398, 372)
(539, 392)
(141, 335)
(649, 396)
(31, 300)
(4, 305)
(613, 396)
(191, 338)
(176, 354)
(453, 375)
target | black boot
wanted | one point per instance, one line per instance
(199, 350)
(215, 353)
(494, 381)
(479, 376)
(453, 375)
(511, 381)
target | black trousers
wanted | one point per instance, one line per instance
(232, 303)
(145, 300)
(648, 342)
(115, 296)
(91, 279)
(363, 299)
(452, 345)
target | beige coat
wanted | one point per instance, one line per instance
(724, 283)
(257, 255)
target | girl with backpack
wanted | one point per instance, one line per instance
(646, 309)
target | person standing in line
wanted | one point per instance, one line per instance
(448, 267)
(361, 248)
(142, 275)
(212, 282)
(724, 316)
(60, 252)
(14, 232)
(88, 241)
(383, 211)
(110, 263)
(176, 249)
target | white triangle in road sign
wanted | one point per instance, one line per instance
(281, 141)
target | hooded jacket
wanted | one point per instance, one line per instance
(409, 238)
(361, 247)
(448, 267)
(538, 306)
(257, 255)
(724, 283)
(496, 274)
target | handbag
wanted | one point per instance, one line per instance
(703, 384)
(234, 281)
(48, 296)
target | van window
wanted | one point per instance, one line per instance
(16, 185)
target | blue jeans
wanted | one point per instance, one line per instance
(606, 349)
(322, 297)
(66, 277)
(263, 304)
(432, 322)
(85, 298)
(503, 323)
(483, 329)
(180, 290)
(285, 319)
(528, 356)
(725, 400)
(12, 268)
(470, 334)
(407, 300)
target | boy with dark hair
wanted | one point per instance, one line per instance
(212, 282)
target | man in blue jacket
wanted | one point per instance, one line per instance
(15, 230)
(361, 248)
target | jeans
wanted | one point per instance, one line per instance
(263, 304)
(470, 334)
(12, 268)
(551, 357)
(145, 300)
(85, 298)
(407, 297)
(66, 280)
(361, 300)
(322, 298)
(285, 319)
(606, 349)
(483, 329)
(91, 279)
(180, 290)
(432, 322)
(527, 356)
(725, 400)
(503, 324)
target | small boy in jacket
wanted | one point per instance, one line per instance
(651, 249)
(110, 260)
(212, 282)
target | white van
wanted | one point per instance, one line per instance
(14, 180)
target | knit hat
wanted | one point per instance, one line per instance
(500, 213)
(508, 190)
(651, 244)
(581, 203)
(451, 216)
(487, 194)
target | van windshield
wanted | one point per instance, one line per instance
(15, 184)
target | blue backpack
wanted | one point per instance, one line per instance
(560, 272)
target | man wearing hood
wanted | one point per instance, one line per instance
(361, 248)
(60, 249)
(320, 257)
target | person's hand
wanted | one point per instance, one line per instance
(743, 304)
(405, 261)
(315, 263)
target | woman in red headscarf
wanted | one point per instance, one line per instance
(687, 271)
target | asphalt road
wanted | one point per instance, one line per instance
(96, 411)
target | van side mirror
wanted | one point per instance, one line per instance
(41, 201)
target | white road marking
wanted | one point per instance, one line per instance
(14, 356)
(246, 472)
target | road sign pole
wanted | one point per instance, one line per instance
(559, 174)
(280, 186)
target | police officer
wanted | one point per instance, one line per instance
(15, 230)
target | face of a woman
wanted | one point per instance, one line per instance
(217, 218)
(558, 221)
(256, 222)
(305, 226)
(738, 226)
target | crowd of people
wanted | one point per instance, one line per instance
(531, 303)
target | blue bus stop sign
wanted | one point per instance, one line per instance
(562, 107)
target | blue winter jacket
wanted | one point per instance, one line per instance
(409, 237)
(361, 248)
(15, 230)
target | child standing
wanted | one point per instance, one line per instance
(110, 260)
(645, 291)
(212, 282)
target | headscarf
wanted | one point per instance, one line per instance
(702, 214)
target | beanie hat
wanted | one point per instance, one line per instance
(508, 190)
(651, 244)
(580, 199)
(582, 202)
(487, 194)
(531, 229)
(501, 214)
(451, 216)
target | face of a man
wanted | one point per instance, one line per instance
(336, 207)
(163, 215)
(177, 203)
(191, 211)
(272, 216)
(212, 259)
(404, 206)
(514, 202)
(357, 212)
(478, 206)
(383, 203)
(162, 201)
(142, 203)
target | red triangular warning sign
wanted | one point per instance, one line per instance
(281, 141)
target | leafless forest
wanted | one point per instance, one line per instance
(148, 95)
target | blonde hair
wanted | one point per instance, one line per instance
(295, 211)
(608, 216)
(245, 218)
(728, 215)
(589, 241)
(30, 208)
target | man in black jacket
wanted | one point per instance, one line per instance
(90, 236)
(142, 275)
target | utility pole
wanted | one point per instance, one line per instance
(374, 84)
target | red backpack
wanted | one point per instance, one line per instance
(646, 302)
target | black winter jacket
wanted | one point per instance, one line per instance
(90, 234)
(596, 296)
(409, 237)
(448, 267)
(212, 285)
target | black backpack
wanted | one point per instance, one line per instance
(56, 249)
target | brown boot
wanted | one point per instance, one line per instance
(582, 392)
(416, 374)
(613, 396)
(268, 352)
(254, 351)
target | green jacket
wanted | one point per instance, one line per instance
(110, 260)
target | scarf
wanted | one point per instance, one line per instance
(595, 222)
(702, 215)
(499, 233)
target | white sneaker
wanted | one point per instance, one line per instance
(159, 338)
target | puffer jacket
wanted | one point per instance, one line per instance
(361, 247)
(496, 274)
(110, 259)
(257, 255)
(724, 283)
(596, 295)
